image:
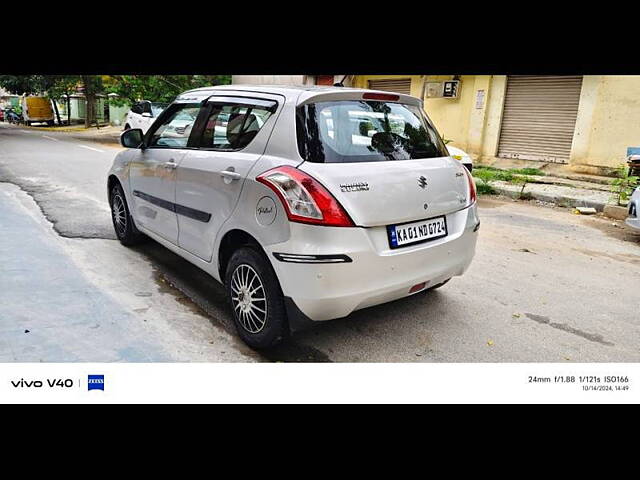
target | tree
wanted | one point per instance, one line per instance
(63, 88)
(157, 88)
(129, 88)
(92, 85)
(54, 86)
(25, 84)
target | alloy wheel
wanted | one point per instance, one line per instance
(119, 214)
(249, 299)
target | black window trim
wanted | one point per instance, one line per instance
(208, 103)
(162, 117)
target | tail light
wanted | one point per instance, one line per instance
(380, 96)
(472, 188)
(304, 198)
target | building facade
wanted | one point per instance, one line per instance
(8, 99)
(584, 122)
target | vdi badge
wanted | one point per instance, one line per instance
(96, 382)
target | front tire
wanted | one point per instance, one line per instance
(256, 299)
(123, 224)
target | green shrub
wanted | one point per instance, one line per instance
(624, 185)
(485, 189)
(527, 171)
(490, 174)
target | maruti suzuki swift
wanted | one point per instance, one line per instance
(307, 203)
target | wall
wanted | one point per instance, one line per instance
(362, 81)
(117, 114)
(608, 121)
(451, 116)
(608, 117)
(455, 118)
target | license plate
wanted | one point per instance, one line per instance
(416, 232)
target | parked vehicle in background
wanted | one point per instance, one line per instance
(37, 110)
(143, 114)
(307, 203)
(461, 156)
(633, 220)
(12, 116)
(634, 165)
(1, 114)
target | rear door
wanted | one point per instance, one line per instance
(233, 136)
(383, 160)
(152, 172)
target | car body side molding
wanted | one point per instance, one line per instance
(174, 207)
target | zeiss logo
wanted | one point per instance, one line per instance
(96, 382)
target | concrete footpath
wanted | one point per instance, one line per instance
(564, 192)
(79, 300)
(559, 186)
(39, 291)
(561, 195)
(108, 134)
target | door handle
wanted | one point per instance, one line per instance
(170, 165)
(230, 174)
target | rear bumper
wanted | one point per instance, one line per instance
(376, 274)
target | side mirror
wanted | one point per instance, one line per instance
(132, 138)
(146, 114)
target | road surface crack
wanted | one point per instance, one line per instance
(592, 337)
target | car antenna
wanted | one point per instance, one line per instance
(341, 82)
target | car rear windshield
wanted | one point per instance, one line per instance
(365, 131)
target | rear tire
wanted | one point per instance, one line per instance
(256, 300)
(123, 224)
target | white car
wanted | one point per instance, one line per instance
(143, 114)
(461, 156)
(307, 203)
(633, 220)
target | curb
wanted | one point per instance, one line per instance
(104, 139)
(614, 212)
(560, 200)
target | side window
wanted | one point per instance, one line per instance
(174, 131)
(234, 126)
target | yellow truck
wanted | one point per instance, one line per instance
(37, 109)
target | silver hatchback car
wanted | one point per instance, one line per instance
(307, 203)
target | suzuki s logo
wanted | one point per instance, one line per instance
(96, 382)
(422, 182)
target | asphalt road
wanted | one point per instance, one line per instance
(545, 286)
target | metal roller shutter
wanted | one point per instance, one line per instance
(402, 85)
(539, 117)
